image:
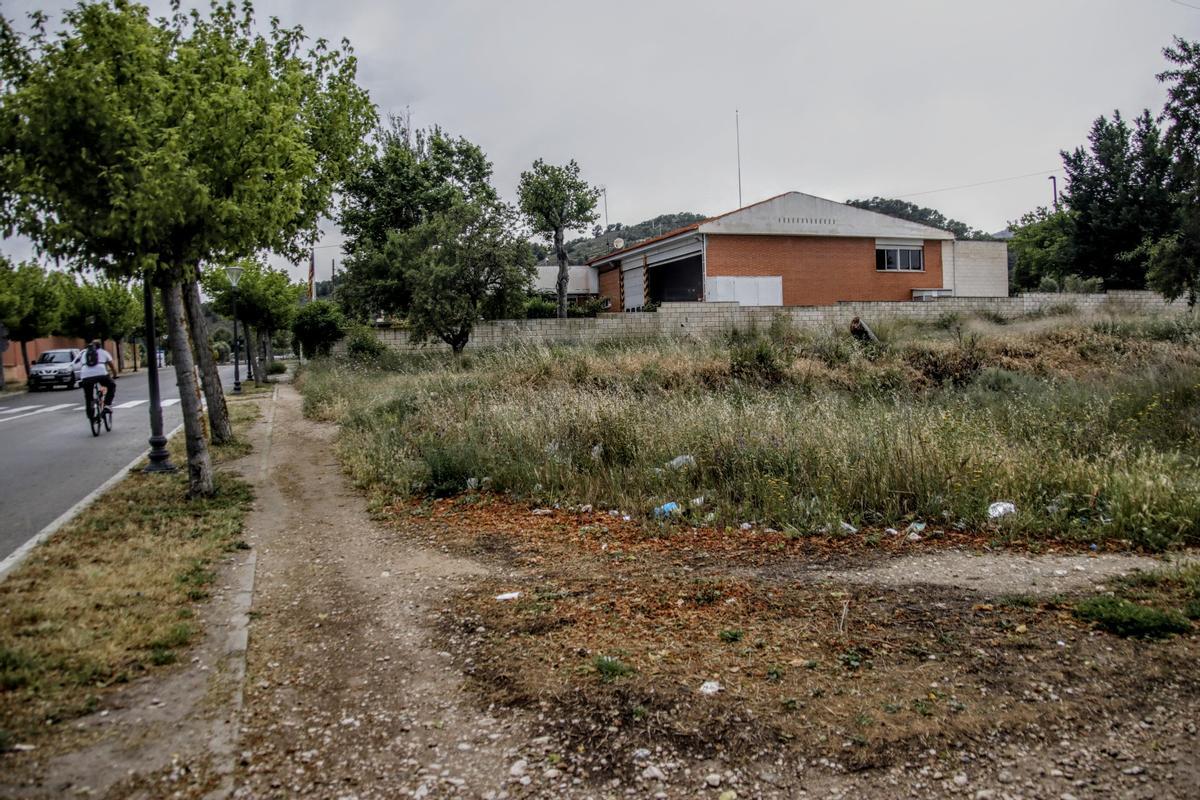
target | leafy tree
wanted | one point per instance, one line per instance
(410, 176)
(317, 327)
(1174, 259)
(267, 301)
(1043, 248)
(919, 214)
(555, 199)
(105, 309)
(1116, 191)
(465, 264)
(33, 304)
(147, 148)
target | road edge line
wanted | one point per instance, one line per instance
(18, 556)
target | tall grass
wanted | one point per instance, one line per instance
(798, 431)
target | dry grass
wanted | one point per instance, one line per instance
(113, 594)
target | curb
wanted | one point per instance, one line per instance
(18, 556)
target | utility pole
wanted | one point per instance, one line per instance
(1054, 190)
(604, 191)
(332, 275)
(737, 125)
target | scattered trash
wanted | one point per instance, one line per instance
(1093, 547)
(626, 517)
(667, 510)
(746, 526)
(473, 484)
(862, 331)
(653, 773)
(914, 537)
(597, 452)
(915, 527)
(23, 748)
(846, 527)
(585, 509)
(891, 531)
(697, 501)
(710, 687)
(508, 596)
(679, 462)
(710, 516)
(1001, 508)
(641, 753)
(542, 512)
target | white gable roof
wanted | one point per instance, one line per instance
(799, 214)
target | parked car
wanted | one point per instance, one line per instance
(53, 368)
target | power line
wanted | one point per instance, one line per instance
(1185, 5)
(981, 183)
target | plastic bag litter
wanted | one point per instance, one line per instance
(666, 510)
(1001, 508)
(508, 596)
(679, 462)
(710, 687)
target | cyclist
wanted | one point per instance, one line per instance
(97, 367)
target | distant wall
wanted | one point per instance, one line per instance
(980, 269)
(712, 319)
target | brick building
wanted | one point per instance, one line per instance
(799, 250)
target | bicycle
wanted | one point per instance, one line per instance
(101, 413)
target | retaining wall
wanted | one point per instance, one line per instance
(710, 319)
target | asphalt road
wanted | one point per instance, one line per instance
(49, 459)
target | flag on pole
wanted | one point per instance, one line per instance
(312, 272)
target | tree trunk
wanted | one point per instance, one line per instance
(563, 273)
(25, 359)
(210, 379)
(200, 471)
(253, 346)
(270, 345)
(120, 356)
(135, 355)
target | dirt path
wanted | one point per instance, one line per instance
(345, 697)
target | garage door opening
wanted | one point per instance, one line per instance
(677, 282)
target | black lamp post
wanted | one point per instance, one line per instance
(235, 274)
(160, 459)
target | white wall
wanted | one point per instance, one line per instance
(979, 269)
(580, 279)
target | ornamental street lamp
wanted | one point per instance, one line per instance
(235, 274)
(160, 459)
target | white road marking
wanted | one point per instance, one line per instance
(34, 413)
(129, 404)
(170, 401)
(18, 408)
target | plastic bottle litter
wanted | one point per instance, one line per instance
(666, 510)
(697, 501)
(846, 527)
(508, 596)
(679, 462)
(710, 687)
(1001, 508)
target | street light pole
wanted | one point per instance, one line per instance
(160, 459)
(235, 274)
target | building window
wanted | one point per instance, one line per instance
(899, 259)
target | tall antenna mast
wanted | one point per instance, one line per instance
(737, 126)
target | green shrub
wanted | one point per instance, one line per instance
(1125, 618)
(276, 368)
(589, 307)
(1074, 284)
(317, 327)
(362, 343)
(757, 360)
(539, 307)
(610, 668)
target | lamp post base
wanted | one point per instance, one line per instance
(160, 459)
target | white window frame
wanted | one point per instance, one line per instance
(897, 249)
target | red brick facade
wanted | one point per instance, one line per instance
(818, 270)
(610, 287)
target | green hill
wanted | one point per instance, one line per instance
(582, 249)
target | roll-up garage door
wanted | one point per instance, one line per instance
(635, 286)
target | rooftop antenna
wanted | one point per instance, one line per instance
(737, 126)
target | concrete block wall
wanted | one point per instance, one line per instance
(714, 319)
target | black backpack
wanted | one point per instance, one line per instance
(91, 358)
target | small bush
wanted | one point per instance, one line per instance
(539, 307)
(757, 360)
(1074, 284)
(991, 315)
(318, 325)
(610, 668)
(588, 308)
(362, 343)
(1125, 618)
(730, 635)
(276, 368)
(1048, 285)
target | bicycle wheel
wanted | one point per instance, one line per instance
(95, 420)
(107, 419)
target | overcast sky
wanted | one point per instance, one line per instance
(838, 98)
